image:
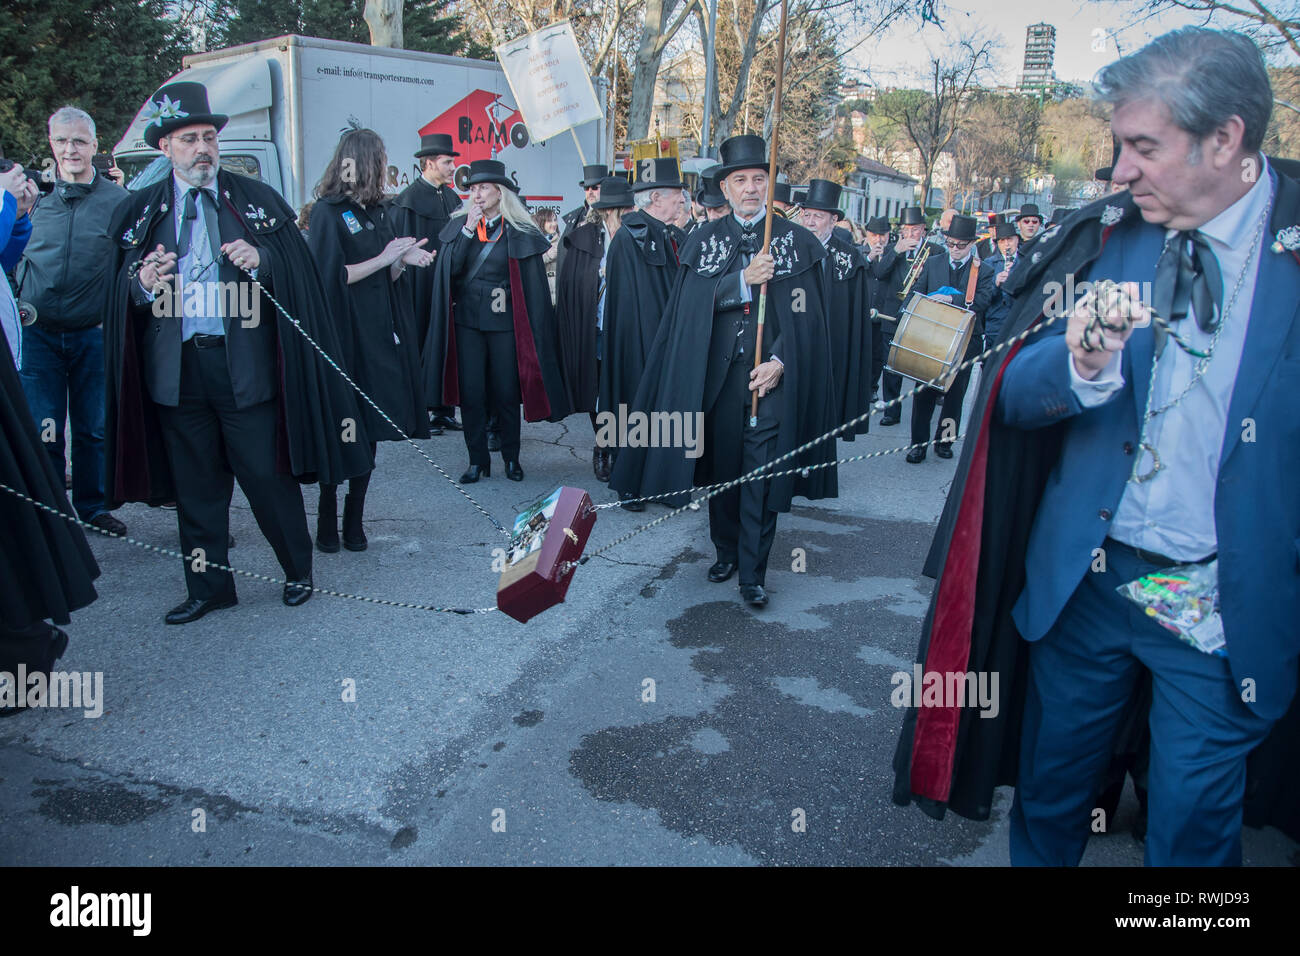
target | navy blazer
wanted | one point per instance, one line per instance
(1257, 502)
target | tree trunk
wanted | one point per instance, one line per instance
(648, 54)
(384, 18)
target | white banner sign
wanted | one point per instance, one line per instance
(548, 77)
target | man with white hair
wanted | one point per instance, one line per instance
(65, 273)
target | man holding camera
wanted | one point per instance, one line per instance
(64, 275)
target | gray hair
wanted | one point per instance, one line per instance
(1202, 76)
(644, 197)
(70, 116)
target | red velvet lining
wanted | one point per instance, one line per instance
(537, 406)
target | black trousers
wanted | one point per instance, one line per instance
(741, 525)
(489, 379)
(877, 353)
(891, 383)
(206, 433)
(924, 401)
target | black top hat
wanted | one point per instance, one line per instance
(176, 106)
(1029, 209)
(961, 228)
(435, 144)
(489, 171)
(592, 175)
(741, 152)
(911, 216)
(879, 225)
(659, 173)
(798, 196)
(709, 195)
(1005, 230)
(824, 195)
(781, 193)
(615, 193)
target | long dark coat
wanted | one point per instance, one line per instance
(577, 289)
(423, 211)
(848, 319)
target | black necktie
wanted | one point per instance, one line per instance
(1186, 277)
(187, 224)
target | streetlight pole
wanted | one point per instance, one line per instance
(710, 64)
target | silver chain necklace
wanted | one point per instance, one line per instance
(1202, 364)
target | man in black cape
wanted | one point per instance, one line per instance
(953, 757)
(640, 268)
(193, 395)
(848, 305)
(874, 250)
(422, 210)
(702, 364)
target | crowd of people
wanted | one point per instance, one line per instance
(143, 318)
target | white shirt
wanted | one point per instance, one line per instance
(1173, 513)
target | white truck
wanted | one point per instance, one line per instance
(289, 99)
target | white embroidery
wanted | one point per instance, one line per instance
(129, 235)
(1035, 257)
(843, 264)
(1050, 233)
(258, 216)
(714, 255)
(784, 254)
(1111, 215)
(1288, 238)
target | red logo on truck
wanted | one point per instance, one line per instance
(481, 126)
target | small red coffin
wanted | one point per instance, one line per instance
(546, 542)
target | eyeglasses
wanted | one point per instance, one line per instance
(958, 244)
(61, 141)
(189, 139)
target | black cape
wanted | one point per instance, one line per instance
(423, 211)
(675, 371)
(313, 398)
(46, 568)
(577, 288)
(951, 758)
(639, 269)
(849, 322)
(374, 318)
(540, 381)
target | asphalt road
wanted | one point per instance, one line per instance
(477, 740)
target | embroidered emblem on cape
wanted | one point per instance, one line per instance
(258, 217)
(1035, 257)
(1288, 238)
(1051, 231)
(784, 254)
(165, 110)
(1111, 215)
(714, 255)
(843, 264)
(129, 235)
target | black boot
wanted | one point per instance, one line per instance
(354, 506)
(327, 519)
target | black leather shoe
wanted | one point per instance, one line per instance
(601, 463)
(106, 522)
(722, 571)
(434, 431)
(628, 503)
(889, 420)
(474, 473)
(494, 441)
(916, 456)
(753, 595)
(943, 451)
(513, 471)
(195, 608)
(298, 592)
(447, 422)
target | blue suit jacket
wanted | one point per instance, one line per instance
(1257, 502)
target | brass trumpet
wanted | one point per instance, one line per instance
(914, 273)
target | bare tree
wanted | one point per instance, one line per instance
(1273, 25)
(384, 18)
(996, 147)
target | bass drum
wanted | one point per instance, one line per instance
(930, 341)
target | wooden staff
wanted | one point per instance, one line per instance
(771, 194)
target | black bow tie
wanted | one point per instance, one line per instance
(749, 240)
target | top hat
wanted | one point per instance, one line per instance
(659, 173)
(176, 106)
(592, 175)
(741, 152)
(1004, 230)
(709, 195)
(1029, 209)
(435, 144)
(961, 228)
(615, 193)
(879, 225)
(797, 196)
(781, 193)
(489, 171)
(911, 216)
(824, 195)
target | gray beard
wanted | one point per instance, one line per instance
(198, 177)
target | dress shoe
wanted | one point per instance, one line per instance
(434, 431)
(446, 422)
(753, 595)
(602, 463)
(916, 456)
(888, 419)
(722, 571)
(629, 502)
(943, 450)
(474, 473)
(298, 592)
(494, 441)
(195, 608)
(106, 522)
(513, 471)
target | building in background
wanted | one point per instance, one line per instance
(1039, 75)
(885, 190)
